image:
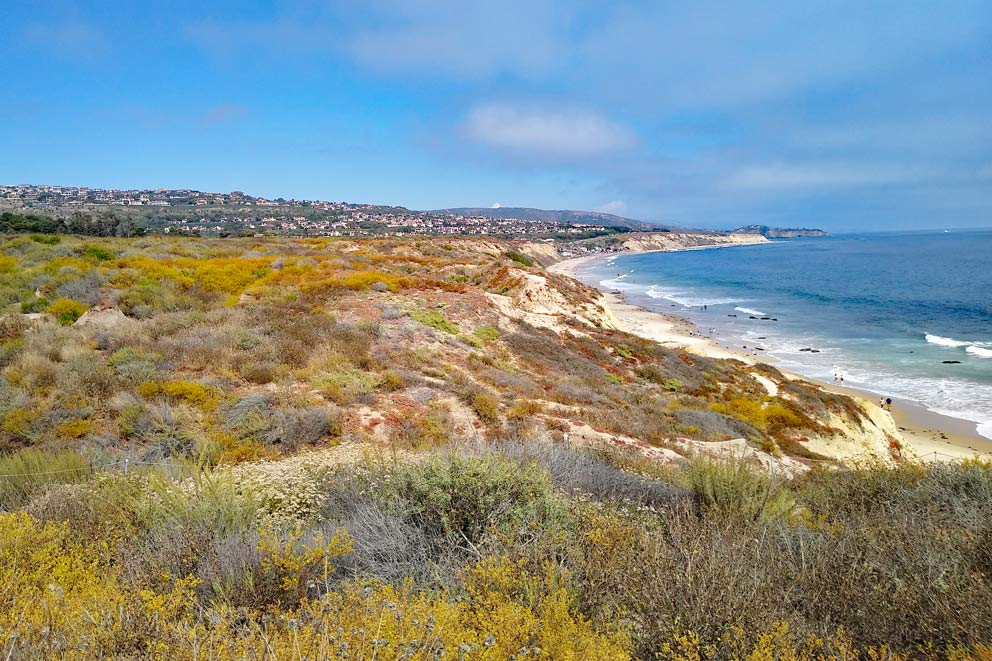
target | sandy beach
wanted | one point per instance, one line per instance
(935, 437)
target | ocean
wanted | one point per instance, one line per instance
(905, 315)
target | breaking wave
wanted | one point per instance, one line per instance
(945, 341)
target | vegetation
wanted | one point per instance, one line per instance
(274, 448)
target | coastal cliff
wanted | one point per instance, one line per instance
(780, 232)
(673, 241)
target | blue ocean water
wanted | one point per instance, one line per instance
(883, 310)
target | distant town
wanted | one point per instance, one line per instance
(196, 213)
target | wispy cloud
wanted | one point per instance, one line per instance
(785, 177)
(77, 40)
(435, 38)
(545, 133)
(613, 206)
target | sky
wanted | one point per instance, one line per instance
(842, 115)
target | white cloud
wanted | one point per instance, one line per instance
(613, 206)
(495, 205)
(545, 132)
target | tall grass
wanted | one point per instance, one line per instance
(735, 489)
(23, 472)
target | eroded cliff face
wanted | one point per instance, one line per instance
(672, 241)
(848, 430)
(551, 301)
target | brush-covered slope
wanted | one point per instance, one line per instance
(156, 347)
(429, 449)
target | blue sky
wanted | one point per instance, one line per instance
(845, 115)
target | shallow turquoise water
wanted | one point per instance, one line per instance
(882, 310)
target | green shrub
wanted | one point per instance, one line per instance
(520, 258)
(34, 305)
(46, 239)
(623, 351)
(434, 319)
(486, 333)
(460, 497)
(97, 253)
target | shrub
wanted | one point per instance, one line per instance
(459, 498)
(34, 305)
(520, 258)
(85, 289)
(97, 253)
(732, 488)
(190, 392)
(261, 372)
(434, 319)
(486, 406)
(46, 239)
(134, 365)
(623, 351)
(7, 264)
(295, 428)
(67, 311)
(486, 333)
(345, 384)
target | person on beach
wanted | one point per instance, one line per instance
(881, 402)
(888, 403)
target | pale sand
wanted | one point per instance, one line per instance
(935, 437)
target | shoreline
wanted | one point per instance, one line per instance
(934, 436)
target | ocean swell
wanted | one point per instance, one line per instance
(980, 352)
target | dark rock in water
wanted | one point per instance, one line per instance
(951, 362)
(774, 319)
(759, 348)
(752, 317)
(731, 315)
(765, 318)
(814, 351)
(806, 349)
(761, 338)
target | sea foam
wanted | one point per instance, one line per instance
(685, 299)
(758, 313)
(978, 351)
(945, 341)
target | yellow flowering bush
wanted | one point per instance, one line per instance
(61, 598)
(67, 311)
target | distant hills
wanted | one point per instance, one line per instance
(553, 216)
(779, 232)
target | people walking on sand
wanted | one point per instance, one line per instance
(888, 403)
(881, 402)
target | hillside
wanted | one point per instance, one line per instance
(435, 448)
(565, 216)
(780, 232)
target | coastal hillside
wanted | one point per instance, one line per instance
(554, 216)
(436, 448)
